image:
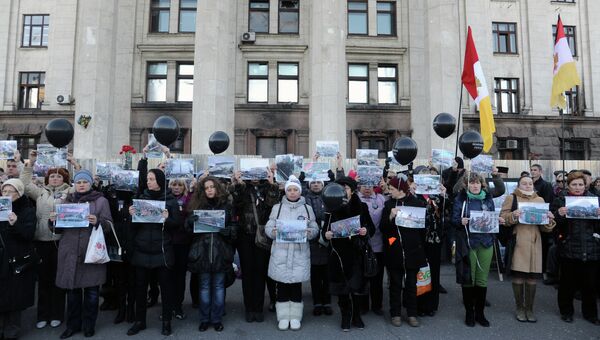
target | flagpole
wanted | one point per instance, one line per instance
(459, 119)
(562, 153)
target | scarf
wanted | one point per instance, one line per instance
(527, 193)
(480, 196)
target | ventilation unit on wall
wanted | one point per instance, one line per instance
(64, 99)
(248, 37)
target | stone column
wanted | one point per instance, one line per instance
(103, 75)
(214, 73)
(328, 85)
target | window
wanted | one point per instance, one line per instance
(375, 142)
(26, 143)
(505, 37)
(159, 16)
(258, 16)
(288, 16)
(570, 35)
(31, 90)
(185, 82)
(287, 82)
(35, 30)
(268, 147)
(357, 17)
(387, 84)
(386, 18)
(575, 148)
(187, 16)
(512, 148)
(156, 89)
(507, 95)
(258, 82)
(572, 97)
(358, 83)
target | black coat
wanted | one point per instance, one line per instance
(119, 203)
(17, 291)
(407, 249)
(262, 196)
(152, 246)
(319, 254)
(347, 277)
(212, 252)
(575, 236)
(544, 190)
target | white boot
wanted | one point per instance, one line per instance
(283, 315)
(296, 310)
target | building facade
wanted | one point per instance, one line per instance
(278, 75)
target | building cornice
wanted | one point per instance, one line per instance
(375, 50)
(254, 48)
(166, 48)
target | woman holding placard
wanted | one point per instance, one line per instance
(291, 225)
(82, 280)
(525, 261)
(474, 243)
(578, 249)
(404, 248)
(211, 252)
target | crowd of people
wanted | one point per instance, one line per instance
(156, 257)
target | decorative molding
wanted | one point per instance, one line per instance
(273, 49)
(166, 48)
(376, 50)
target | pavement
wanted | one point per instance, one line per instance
(448, 323)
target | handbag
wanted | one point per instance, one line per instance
(115, 252)
(424, 280)
(96, 250)
(371, 266)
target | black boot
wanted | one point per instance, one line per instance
(480, 294)
(130, 312)
(346, 311)
(356, 311)
(120, 315)
(136, 328)
(166, 328)
(468, 301)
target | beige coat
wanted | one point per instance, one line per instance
(527, 254)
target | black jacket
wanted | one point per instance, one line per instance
(212, 252)
(319, 254)
(17, 291)
(262, 196)
(119, 203)
(544, 190)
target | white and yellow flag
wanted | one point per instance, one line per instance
(565, 72)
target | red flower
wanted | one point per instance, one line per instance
(127, 149)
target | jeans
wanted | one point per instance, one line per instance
(289, 291)
(82, 308)
(578, 274)
(51, 299)
(212, 297)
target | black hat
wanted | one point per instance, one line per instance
(502, 169)
(346, 180)
(460, 162)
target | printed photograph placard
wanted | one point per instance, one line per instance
(427, 184)
(72, 215)
(328, 148)
(369, 175)
(209, 221)
(254, 168)
(367, 157)
(298, 161)
(148, 211)
(179, 168)
(346, 227)
(125, 180)
(316, 171)
(411, 217)
(442, 158)
(291, 231)
(582, 207)
(7, 149)
(49, 157)
(482, 164)
(484, 222)
(154, 147)
(285, 167)
(221, 166)
(5, 208)
(104, 170)
(534, 213)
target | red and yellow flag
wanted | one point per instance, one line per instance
(474, 81)
(565, 72)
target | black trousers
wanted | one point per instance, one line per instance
(403, 295)
(10, 324)
(51, 299)
(179, 273)
(289, 291)
(124, 280)
(82, 308)
(375, 287)
(429, 302)
(142, 277)
(319, 284)
(255, 264)
(576, 274)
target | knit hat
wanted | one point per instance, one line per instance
(460, 162)
(293, 182)
(15, 183)
(399, 183)
(352, 174)
(83, 175)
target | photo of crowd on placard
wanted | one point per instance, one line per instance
(534, 213)
(484, 222)
(209, 221)
(442, 158)
(346, 227)
(285, 167)
(411, 217)
(367, 157)
(49, 157)
(291, 231)
(126, 180)
(582, 207)
(221, 166)
(369, 175)
(154, 147)
(104, 170)
(427, 184)
(254, 168)
(328, 148)
(7, 149)
(483, 164)
(316, 171)
(179, 168)
(5, 208)
(72, 215)
(148, 211)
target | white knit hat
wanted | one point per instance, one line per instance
(293, 181)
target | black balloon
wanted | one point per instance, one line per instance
(444, 124)
(404, 150)
(470, 144)
(59, 132)
(218, 142)
(166, 130)
(333, 196)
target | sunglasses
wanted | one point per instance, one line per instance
(559, 181)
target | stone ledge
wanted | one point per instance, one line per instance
(165, 48)
(376, 50)
(253, 48)
(534, 118)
